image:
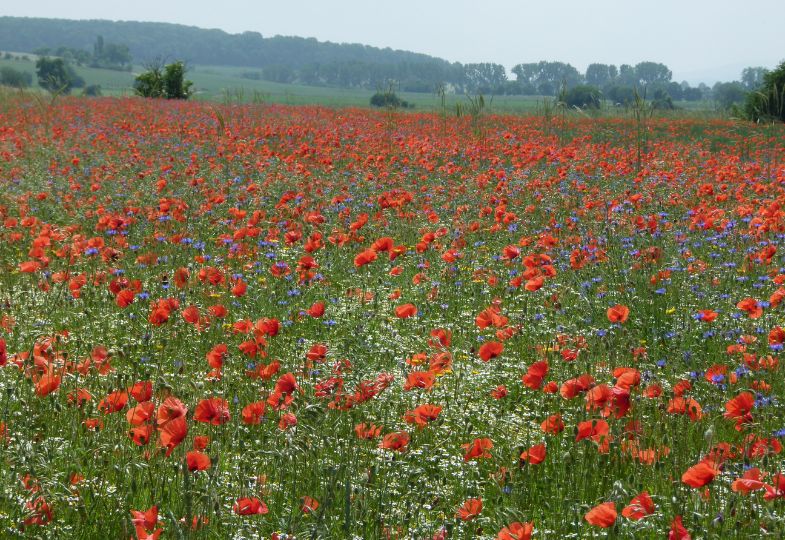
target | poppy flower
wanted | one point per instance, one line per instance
(147, 519)
(141, 435)
(286, 421)
(677, 531)
(489, 350)
(253, 413)
(367, 431)
(422, 414)
(213, 411)
(477, 449)
(419, 379)
(701, 474)
(534, 455)
(316, 310)
(365, 257)
(249, 506)
(142, 391)
(140, 413)
(553, 425)
(395, 441)
(640, 506)
(535, 375)
(48, 383)
(603, 515)
(170, 409)
(750, 481)
(618, 313)
(172, 433)
(308, 505)
(405, 311)
(499, 392)
(752, 307)
(113, 402)
(516, 531)
(197, 461)
(470, 509)
(739, 407)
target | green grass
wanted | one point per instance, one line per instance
(226, 84)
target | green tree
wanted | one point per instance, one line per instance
(161, 81)
(600, 75)
(768, 102)
(728, 94)
(647, 73)
(752, 77)
(53, 75)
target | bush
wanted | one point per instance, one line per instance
(768, 102)
(164, 82)
(662, 100)
(584, 96)
(92, 90)
(621, 95)
(13, 77)
(389, 99)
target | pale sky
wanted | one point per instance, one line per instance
(700, 40)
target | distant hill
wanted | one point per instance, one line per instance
(282, 59)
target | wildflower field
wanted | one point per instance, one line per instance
(299, 322)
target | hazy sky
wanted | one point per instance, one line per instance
(700, 40)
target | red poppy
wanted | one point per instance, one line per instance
(419, 379)
(701, 474)
(603, 515)
(365, 257)
(405, 311)
(367, 431)
(516, 531)
(250, 506)
(535, 375)
(618, 313)
(170, 409)
(752, 307)
(489, 350)
(739, 407)
(553, 425)
(477, 449)
(470, 509)
(750, 481)
(309, 505)
(141, 435)
(172, 433)
(395, 441)
(640, 506)
(140, 413)
(253, 413)
(316, 310)
(422, 414)
(212, 411)
(197, 461)
(534, 455)
(677, 531)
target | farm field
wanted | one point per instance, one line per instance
(269, 321)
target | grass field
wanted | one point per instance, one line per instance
(226, 84)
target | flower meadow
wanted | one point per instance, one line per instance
(300, 322)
